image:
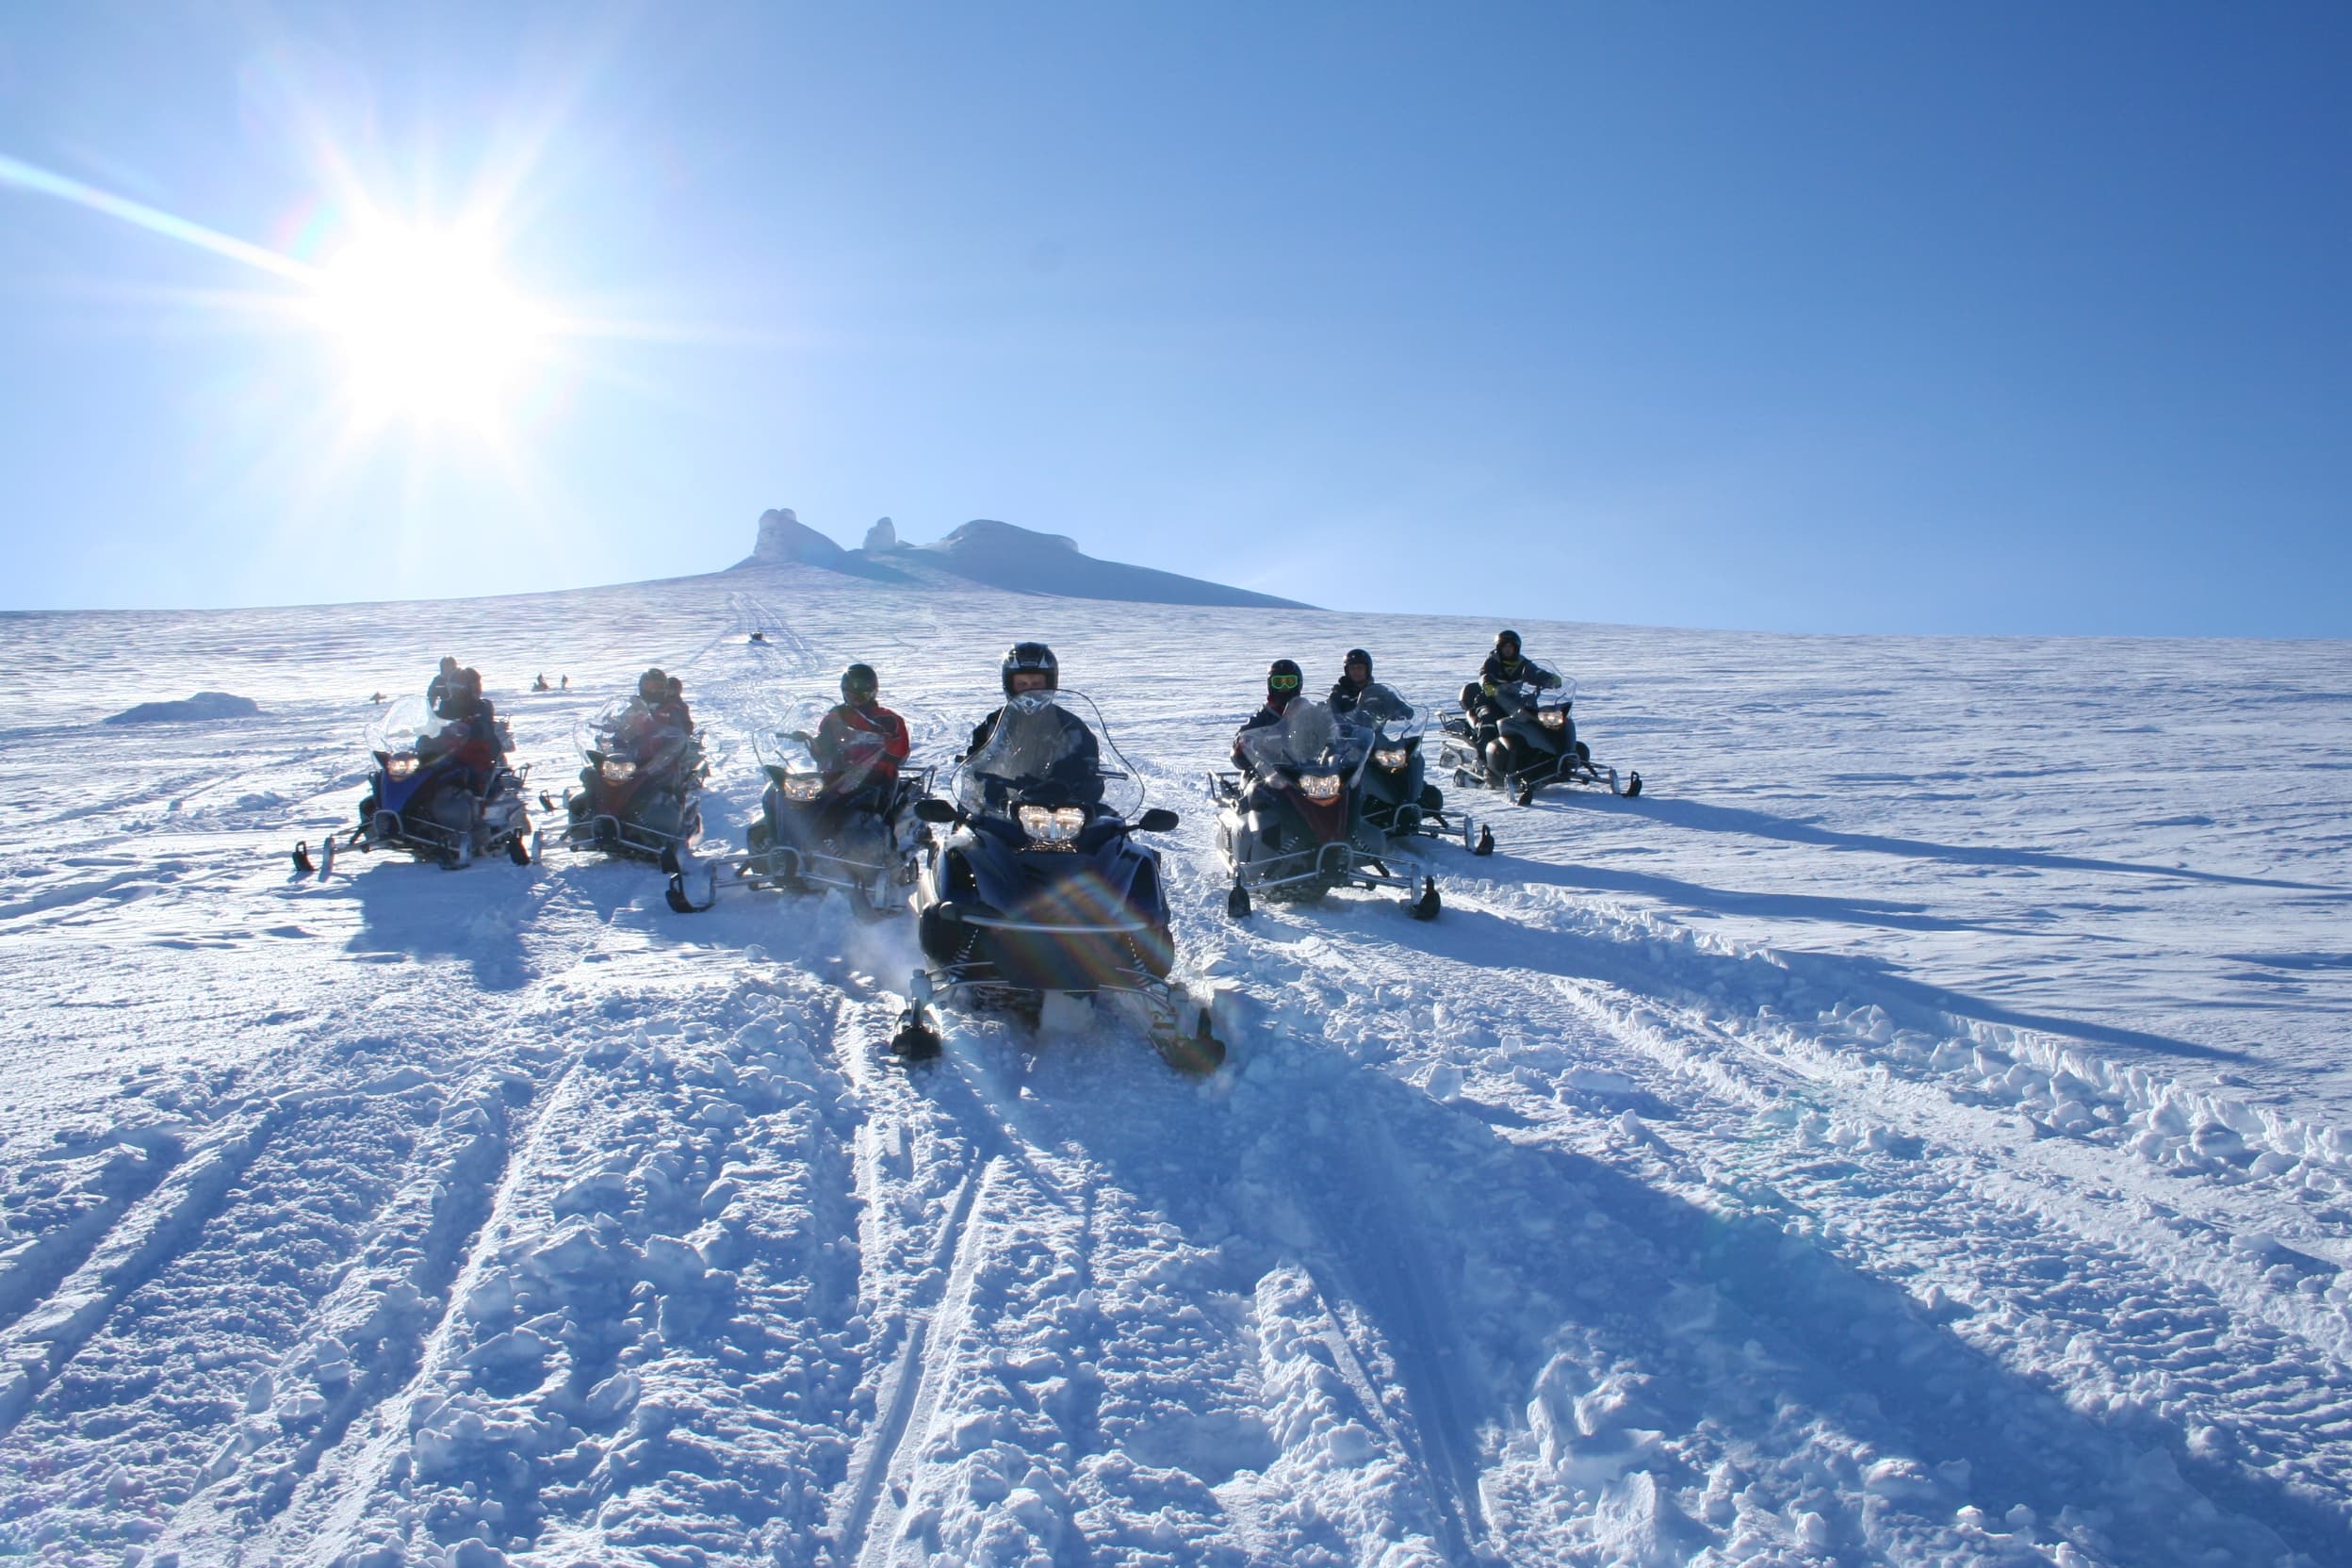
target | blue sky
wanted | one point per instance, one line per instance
(1842, 317)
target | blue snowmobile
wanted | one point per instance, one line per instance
(1041, 885)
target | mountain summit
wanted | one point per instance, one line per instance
(999, 554)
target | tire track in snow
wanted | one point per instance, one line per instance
(358, 1482)
(883, 1471)
(48, 1335)
(1724, 1132)
(875, 1497)
(377, 1322)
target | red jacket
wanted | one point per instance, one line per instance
(840, 753)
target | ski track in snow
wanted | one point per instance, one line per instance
(1914, 1135)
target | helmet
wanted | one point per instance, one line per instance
(1031, 656)
(1506, 635)
(1282, 679)
(1356, 656)
(653, 685)
(858, 683)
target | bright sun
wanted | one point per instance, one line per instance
(433, 333)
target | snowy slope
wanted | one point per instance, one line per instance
(1912, 1133)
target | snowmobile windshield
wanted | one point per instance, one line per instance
(627, 729)
(1543, 685)
(787, 735)
(1041, 752)
(1309, 737)
(1396, 720)
(404, 723)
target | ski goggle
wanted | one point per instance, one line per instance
(1282, 684)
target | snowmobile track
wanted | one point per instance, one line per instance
(1954, 1198)
(47, 1336)
(911, 1391)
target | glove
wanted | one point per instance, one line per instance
(800, 735)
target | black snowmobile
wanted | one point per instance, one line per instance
(1039, 886)
(1397, 797)
(846, 827)
(441, 791)
(1530, 743)
(1295, 826)
(640, 790)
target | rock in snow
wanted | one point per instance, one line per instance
(996, 553)
(784, 537)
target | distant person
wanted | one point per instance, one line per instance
(566, 685)
(539, 683)
(437, 689)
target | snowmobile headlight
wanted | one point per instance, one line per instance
(803, 786)
(1052, 825)
(619, 770)
(401, 766)
(1392, 758)
(1319, 786)
(1552, 718)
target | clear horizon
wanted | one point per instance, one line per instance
(1834, 319)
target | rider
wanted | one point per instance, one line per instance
(1482, 698)
(469, 735)
(1282, 679)
(1355, 673)
(859, 774)
(437, 689)
(655, 730)
(1032, 667)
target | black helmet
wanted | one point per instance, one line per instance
(858, 683)
(1506, 635)
(1357, 656)
(1284, 678)
(1031, 656)
(654, 684)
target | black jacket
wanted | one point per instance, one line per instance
(1269, 715)
(1496, 674)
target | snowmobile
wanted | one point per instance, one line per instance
(640, 791)
(1296, 826)
(1039, 886)
(1397, 797)
(1533, 742)
(821, 828)
(430, 798)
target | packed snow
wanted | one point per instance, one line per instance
(1915, 1131)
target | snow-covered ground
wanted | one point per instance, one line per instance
(1917, 1131)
